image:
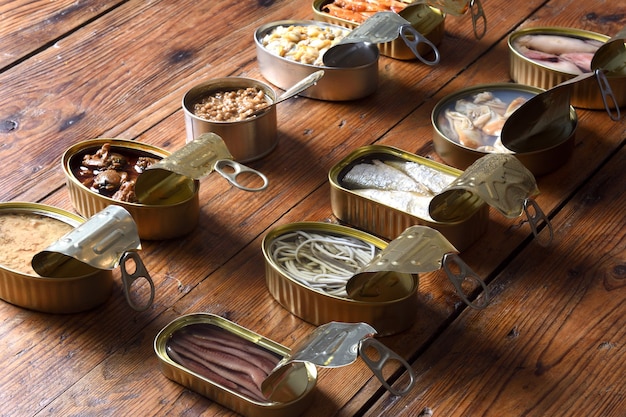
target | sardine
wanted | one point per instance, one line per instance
(380, 176)
(432, 180)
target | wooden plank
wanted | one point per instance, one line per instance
(30, 26)
(551, 340)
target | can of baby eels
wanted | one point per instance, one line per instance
(459, 141)
(538, 58)
(322, 304)
(177, 342)
(427, 20)
(170, 219)
(26, 229)
(389, 205)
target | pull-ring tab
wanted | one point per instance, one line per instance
(457, 279)
(607, 93)
(377, 363)
(128, 279)
(535, 217)
(477, 13)
(237, 169)
(413, 38)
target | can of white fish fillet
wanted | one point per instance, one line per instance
(384, 190)
(544, 57)
(307, 265)
(182, 347)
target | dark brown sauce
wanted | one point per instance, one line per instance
(111, 171)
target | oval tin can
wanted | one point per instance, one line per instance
(154, 222)
(53, 295)
(219, 393)
(389, 222)
(316, 307)
(585, 94)
(427, 20)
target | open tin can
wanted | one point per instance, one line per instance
(427, 20)
(167, 220)
(338, 84)
(382, 216)
(231, 397)
(323, 306)
(248, 139)
(535, 61)
(22, 286)
(460, 140)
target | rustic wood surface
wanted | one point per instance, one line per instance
(551, 342)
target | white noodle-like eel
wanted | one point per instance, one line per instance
(322, 262)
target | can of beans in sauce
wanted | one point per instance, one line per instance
(222, 106)
(27, 228)
(182, 347)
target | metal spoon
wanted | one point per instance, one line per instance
(297, 88)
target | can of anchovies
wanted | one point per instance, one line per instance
(178, 341)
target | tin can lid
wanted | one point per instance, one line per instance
(417, 250)
(168, 180)
(497, 179)
(100, 243)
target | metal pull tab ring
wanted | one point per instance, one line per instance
(413, 38)
(238, 169)
(465, 272)
(477, 13)
(535, 217)
(384, 354)
(128, 279)
(607, 93)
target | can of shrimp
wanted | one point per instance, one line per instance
(374, 189)
(427, 20)
(181, 345)
(544, 57)
(322, 299)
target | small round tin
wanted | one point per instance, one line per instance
(338, 84)
(427, 20)
(221, 394)
(248, 139)
(552, 69)
(317, 307)
(154, 222)
(52, 295)
(454, 136)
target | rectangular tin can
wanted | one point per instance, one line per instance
(317, 307)
(386, 221)
(427, 20)
(219, 393)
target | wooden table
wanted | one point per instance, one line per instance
(551, 342)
